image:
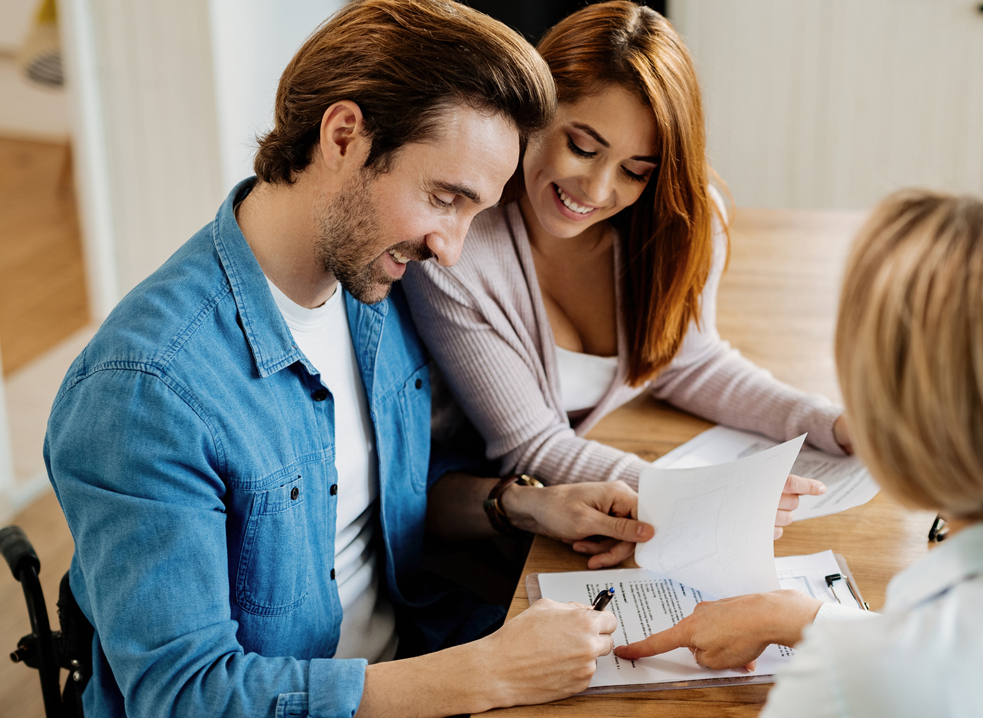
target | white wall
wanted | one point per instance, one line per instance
(91, 166)
(835, 103)
(15, 19)
(156, 101)
(27, 109)
(252, 42)
(167, 101)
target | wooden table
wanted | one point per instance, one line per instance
(777, 305)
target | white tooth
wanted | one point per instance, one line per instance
(570, 204)
(401, 258)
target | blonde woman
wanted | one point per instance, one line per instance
(909, 354)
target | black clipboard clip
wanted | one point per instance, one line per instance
(938, 531)
(833, 577)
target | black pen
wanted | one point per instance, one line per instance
(602, 599)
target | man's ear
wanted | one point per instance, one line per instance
(342, 138)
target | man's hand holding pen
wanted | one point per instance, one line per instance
(549, 651)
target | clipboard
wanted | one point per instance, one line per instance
(535, 593)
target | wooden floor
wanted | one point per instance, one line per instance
(42, 301)
(44, 523)
(42, 280)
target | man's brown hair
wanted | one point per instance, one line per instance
(403, 62)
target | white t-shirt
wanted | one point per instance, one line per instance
(368, 626)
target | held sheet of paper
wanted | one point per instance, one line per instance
(646, 603)
(715, 525)
(848, 483)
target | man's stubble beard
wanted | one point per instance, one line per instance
(347, 225)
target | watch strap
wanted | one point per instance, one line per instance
(493, 504)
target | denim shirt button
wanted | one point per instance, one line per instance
(419, 383)
(320, 395)
(294, 493)
(332, 574)
(334, 489)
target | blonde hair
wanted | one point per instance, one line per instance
(909, 349)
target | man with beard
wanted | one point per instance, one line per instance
(242, 451)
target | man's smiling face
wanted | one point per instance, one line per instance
(421, 208)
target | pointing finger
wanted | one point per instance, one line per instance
(668, 640)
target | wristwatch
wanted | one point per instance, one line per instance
(493, 504)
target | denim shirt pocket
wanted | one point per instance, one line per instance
(414, 406)
(272, 577)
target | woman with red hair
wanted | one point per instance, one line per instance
(596, 277)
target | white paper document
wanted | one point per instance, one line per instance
(848, 483)
(714, 525)
(646, 603)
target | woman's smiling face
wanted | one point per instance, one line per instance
(594, 161)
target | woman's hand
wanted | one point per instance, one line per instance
(732, 632)
(795, 486)
(574, 512)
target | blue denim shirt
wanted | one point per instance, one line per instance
(191, 446)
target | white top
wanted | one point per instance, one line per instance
(368, 626)
(923, 656)
(584, 378)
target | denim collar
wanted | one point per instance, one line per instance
(955, 560)
(267, 334)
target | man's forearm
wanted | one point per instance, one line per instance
(449, 682)
(455, 507)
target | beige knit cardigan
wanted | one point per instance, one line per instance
(486, 326)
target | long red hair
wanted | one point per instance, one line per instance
(666, 241)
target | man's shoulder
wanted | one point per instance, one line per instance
(152, 324)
